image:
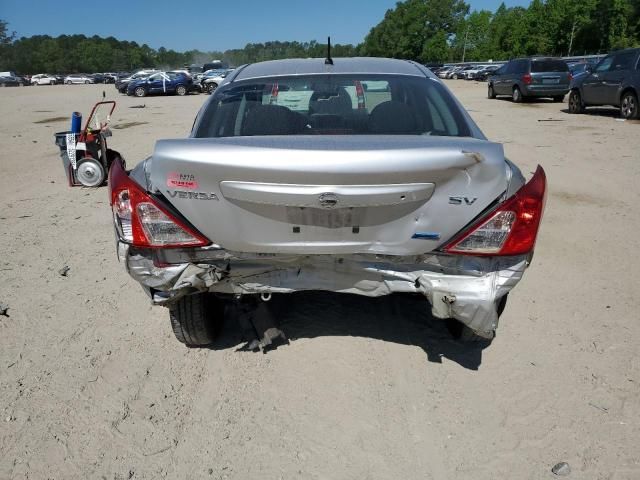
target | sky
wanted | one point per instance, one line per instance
(206, 25)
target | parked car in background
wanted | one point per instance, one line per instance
(9, 82)
(162, 83)
(614, 81)
(461, 73)
(43, 79)
(484, 74)
(78, 78)
(442, 72)
(12, 78)
(123, 82)
(97, 77)
(531, 77)
(365, 176)
(110, 77)
(213, 80)
(471, 73)
(577, 69)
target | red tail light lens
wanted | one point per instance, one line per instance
(510, 229)
(527, 79)
(143, 222)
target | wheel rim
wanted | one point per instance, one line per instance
(139, 92)
(181, 90)
(90, 174)
(628, 106)
(573, 102)
(516, 95)
(490, 91)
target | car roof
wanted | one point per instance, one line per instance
(311, 66)
(624, 50)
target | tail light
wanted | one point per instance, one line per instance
(143, 222)
(527, 79)
(509, 229)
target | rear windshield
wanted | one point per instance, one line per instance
(332, 105)
(548, 66)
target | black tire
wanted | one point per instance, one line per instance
(491, 93)
(575, 102)
(139, 92)
(87, 82)
(68, 82)
(558, 98)
(454, 76)
(181, 90)
(629, 106)
(516, 96)
(197, 319)
(211, 87)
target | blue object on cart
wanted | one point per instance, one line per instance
(76, 122)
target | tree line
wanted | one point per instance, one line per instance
(446, 30)
(78, 53)
(422, 30)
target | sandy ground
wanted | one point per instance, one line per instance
(94, 385)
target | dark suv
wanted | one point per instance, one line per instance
(531, 77)
(614, 81)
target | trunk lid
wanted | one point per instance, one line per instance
(396, 195)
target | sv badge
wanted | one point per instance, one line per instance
(462, 200)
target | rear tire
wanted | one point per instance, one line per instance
(629, 106)
(575, 102)
(68, 82)
(139, 92)
(197, 319)
(517, 95)
(181, 90)
(491, 94)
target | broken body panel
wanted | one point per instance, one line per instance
(466, 288)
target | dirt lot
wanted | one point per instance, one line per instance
(94, 385)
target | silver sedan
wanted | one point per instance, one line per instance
(361, 176)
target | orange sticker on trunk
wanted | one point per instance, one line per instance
(182, 180)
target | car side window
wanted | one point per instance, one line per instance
(622, 61)
(604, 65)
(523, 66)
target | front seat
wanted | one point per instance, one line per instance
(392, 118)
(272, 120)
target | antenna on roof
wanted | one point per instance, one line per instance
(328, 60)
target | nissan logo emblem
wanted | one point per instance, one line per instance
(328, 200)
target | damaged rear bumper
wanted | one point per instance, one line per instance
(468, 289)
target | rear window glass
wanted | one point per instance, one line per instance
(548, 66)
(332, 105)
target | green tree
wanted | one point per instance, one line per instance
(408, 31)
